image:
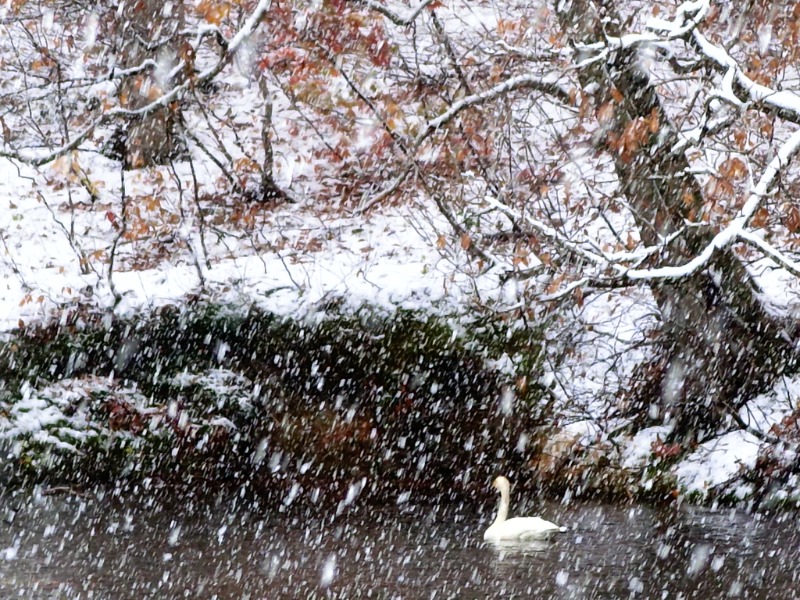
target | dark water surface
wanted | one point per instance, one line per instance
(70, 547)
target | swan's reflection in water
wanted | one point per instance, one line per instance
(71, 548)
(515, 549)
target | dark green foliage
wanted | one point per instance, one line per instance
(400, 396)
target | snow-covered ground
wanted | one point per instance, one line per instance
(293, 259)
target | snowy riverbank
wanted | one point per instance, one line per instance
(197, 392)
(419, 240)
(317, 271)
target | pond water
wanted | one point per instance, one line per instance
(71, 547)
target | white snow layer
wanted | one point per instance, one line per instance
(717, 461)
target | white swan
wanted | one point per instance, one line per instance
(518, 528)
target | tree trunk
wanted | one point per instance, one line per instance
(147, 30)
(720, 346)
(269, 192)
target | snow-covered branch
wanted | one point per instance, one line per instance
(785, 102)
(736, 228)
(505, 87)
(397, 19)
(249, 27)
(758, 242)
(586, 249)
(734, 89)
(60, 151)
(688, 16)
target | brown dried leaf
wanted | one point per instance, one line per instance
(733, 168)
(554, 284)
(606, 112)
(760, 218)
(653, 121)
(740, 137)
(792, 219)
(719, 189)
(577, 293)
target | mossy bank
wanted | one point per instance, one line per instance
(201, 398)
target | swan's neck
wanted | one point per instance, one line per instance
(502, 508)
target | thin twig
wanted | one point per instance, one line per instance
(234, 183)
(14, 266)
(200, 216)
(122, 229)
(197, 266)
(83, 261)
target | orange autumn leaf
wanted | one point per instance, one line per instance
(635, 135)
(212, 11)
(577, 294)
(719, 189)
(740, 137)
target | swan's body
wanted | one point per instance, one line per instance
(518, 528)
